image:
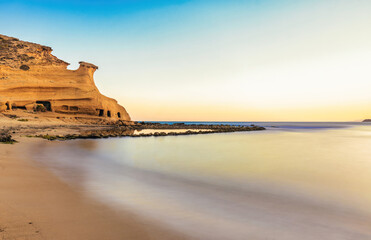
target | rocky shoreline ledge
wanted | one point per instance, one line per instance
(121, 129)
(6, 137)
(16, 124)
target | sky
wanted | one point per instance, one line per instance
(212, 60)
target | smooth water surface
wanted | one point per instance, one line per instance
(292, 181)
(151, 131)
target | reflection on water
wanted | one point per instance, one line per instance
(149, 131)
(298, 181)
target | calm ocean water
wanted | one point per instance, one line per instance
(292, 181)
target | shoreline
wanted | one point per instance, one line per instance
(25, 124)
(35, 205)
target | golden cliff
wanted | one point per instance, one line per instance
(30, 76)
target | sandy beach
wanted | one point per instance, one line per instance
(35, 204)
(176, 187)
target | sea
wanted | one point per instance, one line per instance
(292, 181)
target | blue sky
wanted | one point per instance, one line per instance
(212, 60)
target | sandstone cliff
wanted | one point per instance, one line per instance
(31, 76)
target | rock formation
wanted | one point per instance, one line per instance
(367, 120)
(30, 77)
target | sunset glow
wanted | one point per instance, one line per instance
(213, 60)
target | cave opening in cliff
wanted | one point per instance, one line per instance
(108, 113)
(119, 115)
(101, 112)
(46, 104)
(74, 108)
(19, 107)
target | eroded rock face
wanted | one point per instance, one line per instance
(30, 75)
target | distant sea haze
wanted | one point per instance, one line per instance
(283, 125)
(296, 180)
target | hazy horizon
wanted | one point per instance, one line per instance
(212, 60)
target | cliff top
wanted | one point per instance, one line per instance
(15, 53)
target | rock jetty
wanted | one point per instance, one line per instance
(130, 131)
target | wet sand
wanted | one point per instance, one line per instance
(35, 204)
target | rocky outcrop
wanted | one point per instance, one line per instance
(5, 137)
(32, 78)
(367, 120)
